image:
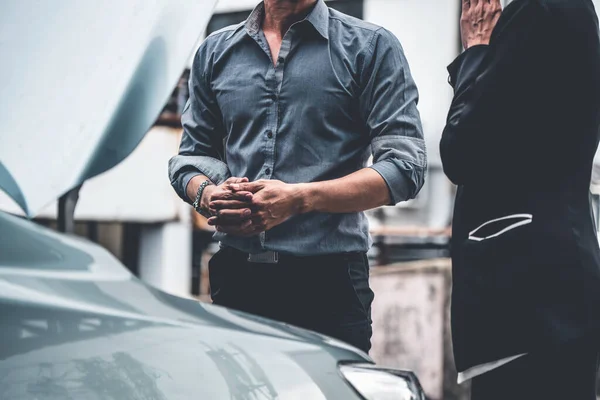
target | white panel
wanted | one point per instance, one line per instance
(81, 82)
(224, 6)
(429, 33)
(137, 190)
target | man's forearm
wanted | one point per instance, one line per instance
(184, 168)
(193, 185)
(360, 191)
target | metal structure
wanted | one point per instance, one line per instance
(66, 210)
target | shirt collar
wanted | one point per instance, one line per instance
(318, 17)
(255, 18)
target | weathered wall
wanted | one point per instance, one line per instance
(411, 324)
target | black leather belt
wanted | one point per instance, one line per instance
(274, 257)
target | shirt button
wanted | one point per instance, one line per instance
(268, 171)
(280, 60)
(270, 134)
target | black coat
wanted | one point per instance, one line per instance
(519, 142)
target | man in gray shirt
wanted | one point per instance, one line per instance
(284, 111)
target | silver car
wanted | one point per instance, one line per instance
(74, 323)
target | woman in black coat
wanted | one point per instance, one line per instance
(519, 142)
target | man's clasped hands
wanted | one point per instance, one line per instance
(243, 208)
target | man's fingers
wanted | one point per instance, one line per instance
(244, 229)
(247, 228)
(230, 217)
(466, 4)
(232, 181)
(228, 195)
(236, 180)
(240, 214)
(227, 204)
(251, 187)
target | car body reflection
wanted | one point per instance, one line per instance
(96, 332)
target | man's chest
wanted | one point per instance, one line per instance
(306, 80)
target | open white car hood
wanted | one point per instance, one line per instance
(82, 82)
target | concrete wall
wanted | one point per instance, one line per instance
(411, 324)
(408, 325)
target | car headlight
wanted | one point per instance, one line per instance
(374, 383)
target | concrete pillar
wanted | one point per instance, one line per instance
(166, 256)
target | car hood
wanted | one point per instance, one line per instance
(83, 82)
(76, 323)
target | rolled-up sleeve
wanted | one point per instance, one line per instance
(201, 151)
(389, 107)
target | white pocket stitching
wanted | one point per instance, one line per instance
(528, 219)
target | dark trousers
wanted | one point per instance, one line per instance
(568, 372)
(327, 294)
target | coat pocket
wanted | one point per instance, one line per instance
(499, 226)
(495, 283)
(498, 256)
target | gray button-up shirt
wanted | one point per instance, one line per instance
(339, 91)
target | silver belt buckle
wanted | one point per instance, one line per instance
(268, 257)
